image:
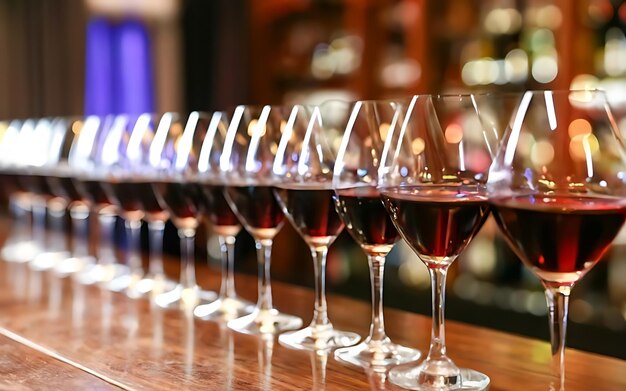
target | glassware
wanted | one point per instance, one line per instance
(432, 179)
(118, 166)
(224, 223)
(39, 157)
(246, 163)
(129, 184)
(173, 158)
(88, 176)
(557, 189)
(360, 206)
(303, 167)
(20, 246)
(59, 180)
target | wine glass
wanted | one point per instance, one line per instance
(432, 179)
(224, 223)
(246, 163)
(61, 184)
(173, 160)
(129, 184)
(557, 188)
(121, 163)
(39, 156)
(360, 206)
(20, 246)
(304, 168)
(88, 175)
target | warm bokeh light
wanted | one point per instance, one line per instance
(454, 133)
(579, 126)
(418, 145)
(545, 68)
(542, 153)
(76, 127)
(583, 144)
(383, 129)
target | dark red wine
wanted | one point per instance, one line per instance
(437, 221)
(65, 188)
(311, 210)
(183, 200)
(9, 184)
(93, 191)
(363, 212)
(560, 237)
(36, 184)
(133, 196)
(257, 209)
(221, 216)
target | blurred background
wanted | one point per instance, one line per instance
(70, 57)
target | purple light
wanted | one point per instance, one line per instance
(133, 69)
(99, 68)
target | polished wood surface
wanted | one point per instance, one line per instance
(24, 368)
(133, 345)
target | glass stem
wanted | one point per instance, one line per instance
(106, 228)
(227, 248)
(39, 223)
(155, 233)
(377, 271)
(133, 231)
(188, 267)
(558, 303)
(264, 259)
(320, 314)
(438, 335)
(57, 228)
(80, 226)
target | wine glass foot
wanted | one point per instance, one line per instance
(184, 298)
(73, 265)
(48, 260)
(101, 273)
(318, 338)
(20, 252)
(224, 309)
(265, 322)
(377, 354)
(429, 378)
(155, 284)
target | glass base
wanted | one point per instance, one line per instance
(155, 284)
(20, 252)
(184, 298)
(73, 265)
(318, 338)
(431, 376)
(101, 274)
(265, 322)
(224, 309)
(48, 260)
(377, 354)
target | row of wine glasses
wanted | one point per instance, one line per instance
(428, 168)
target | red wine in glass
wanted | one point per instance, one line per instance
(93, 191)
(362, 209)
(183, 200)
(134, 196)
(37, 184)
(437, 221)
(257, 208)
(312, 212)
(221, 216)
(65, 188)
(560, 237)
(9, 184)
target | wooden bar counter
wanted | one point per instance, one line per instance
(58, 334)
